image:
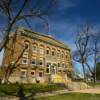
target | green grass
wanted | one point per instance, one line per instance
(94, 84)
(72, 96)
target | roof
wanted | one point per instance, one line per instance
(42, 37)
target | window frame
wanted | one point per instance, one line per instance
(27, 60)
(34, 61)
(23, 76)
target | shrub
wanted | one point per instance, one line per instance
(12, 89)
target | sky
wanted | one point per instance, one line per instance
(65, 18)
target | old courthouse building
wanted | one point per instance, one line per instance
(44, 59)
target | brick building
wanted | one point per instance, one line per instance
(44, 59)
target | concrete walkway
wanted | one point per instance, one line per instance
(91, 91)
(51, 93)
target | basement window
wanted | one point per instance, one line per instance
(23, 74)
(40, 74)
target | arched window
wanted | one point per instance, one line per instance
(62, 55)
(41, 49)
(48, 51)
(53, 52)
(26, 44)
(58, 53)
(25, 54)
(34, 48)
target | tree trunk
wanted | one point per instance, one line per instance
(94, 75)
(85, 80)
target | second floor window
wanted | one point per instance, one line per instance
(41, 51)
(58, 55)
(47, 52)
(26, 45)
(34, 49)
(25, 54)
(53, 53)
(62, 54)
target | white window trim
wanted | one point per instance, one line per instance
(33, 76)
(26, 60)
(41, 50)
(34, 50)
(25, 54)
(34, 60)
(48, 68)
(23, 76)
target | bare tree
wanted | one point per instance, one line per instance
(95, 50)
(82, 46)
(15, 11)
(24, 11)
(87, 49)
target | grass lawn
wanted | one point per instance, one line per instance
(94, 84)
(13, 89)
(72, 96)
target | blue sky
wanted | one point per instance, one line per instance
(65, 18)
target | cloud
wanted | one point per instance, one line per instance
(65, 4)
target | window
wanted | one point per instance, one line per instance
(66, 57)
(58, 64)
(54, 69)
(62, 55)
(63, 65)
(41, 62)
(33, 61)
(48, 68)
(53, 53)
(58, 54)
(48, 51)
(25, 54)
(41, 51)
(40, 74)
(26, 45)
(25, 61)
(23, 74)
(34, 49)
(32, 74)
